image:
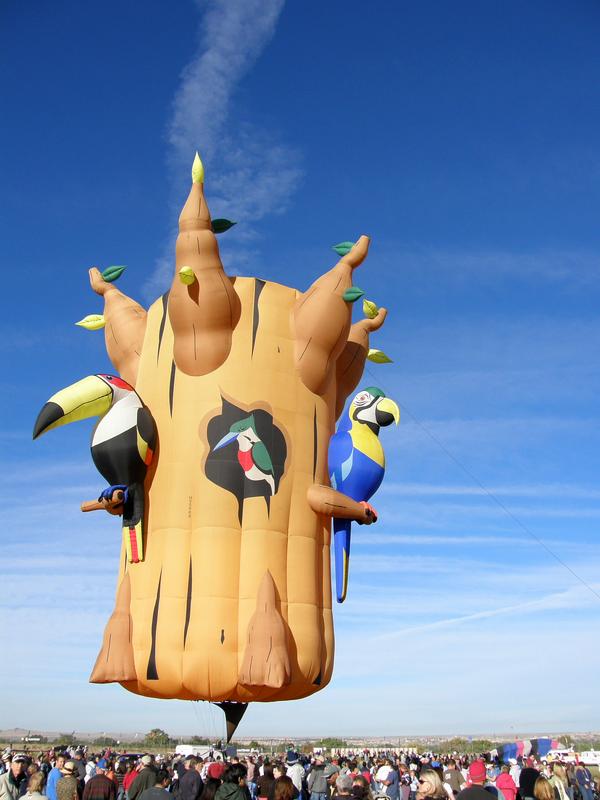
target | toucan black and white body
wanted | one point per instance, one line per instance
(122, 446)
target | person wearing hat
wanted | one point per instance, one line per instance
(54, 776)
(216, 770)
(67, 787)
(100, 786)
(476, 778)
(146, 778)
(11, 782)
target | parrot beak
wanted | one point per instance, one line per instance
(386, 412)
(89, 397)
(227, 439)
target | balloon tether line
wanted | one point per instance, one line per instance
(492, 496)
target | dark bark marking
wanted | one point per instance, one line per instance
(171, 388)
(259, 285)
(188, 605)
(151, 672)
(305, 349)
(161, 330)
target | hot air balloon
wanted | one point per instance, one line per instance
(229, 598)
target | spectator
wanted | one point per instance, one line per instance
(146, 778)
(285, 789)
(585, 784)
(233, 785)
(453, 778)
(295, 770)
(35, 785)
(430, 786)
(100, 786)
(343, 787)
(391, 783)
(190, 782)
(54, 776)
(13, 780)
(559, 782)
(361, 788)
(265, 783)
(527, 780)
(506, 784)
(68, 788)
(542, 790)
(317, 780)
(157, 792)
(477, 777)
(210, 788)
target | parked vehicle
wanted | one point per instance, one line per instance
(591, 758)
(565, 756)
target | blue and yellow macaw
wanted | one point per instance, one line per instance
(357, 466)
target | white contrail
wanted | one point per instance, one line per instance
(249, 174)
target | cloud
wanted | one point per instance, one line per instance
(555, 490)
(249, 172)
(573, 268)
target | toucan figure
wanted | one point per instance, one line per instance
(253, 456)
(122, 445)
(357, 466)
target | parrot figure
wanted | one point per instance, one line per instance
(122, 445)
(357, 466)
(253, 456)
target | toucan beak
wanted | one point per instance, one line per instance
(386, 412)
(227, 439)
(89, 397)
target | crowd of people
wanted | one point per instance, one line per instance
(81, 775)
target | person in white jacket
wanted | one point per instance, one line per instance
(295, 770)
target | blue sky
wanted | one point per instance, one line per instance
(463, 137)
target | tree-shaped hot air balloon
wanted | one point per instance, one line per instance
(244, 379)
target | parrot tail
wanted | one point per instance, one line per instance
(133, 520)
(341, 544)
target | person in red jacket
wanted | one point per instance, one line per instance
(130, 776)
(506, 784)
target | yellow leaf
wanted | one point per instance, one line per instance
(93, 322)
(370, 309)
(379, 357)
(197, 170)
(186, 275)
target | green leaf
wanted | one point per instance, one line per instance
(343, 248)
(186, 276)
(379, 357)
(370, 309)
(111, 274)
(352, 294)
(222, 225)
(93, 322)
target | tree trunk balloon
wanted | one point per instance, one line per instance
(244, 378)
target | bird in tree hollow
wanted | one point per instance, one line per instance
(252, 455)
(122, 446)
(357, 466)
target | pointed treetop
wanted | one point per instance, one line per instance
(197, 170)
